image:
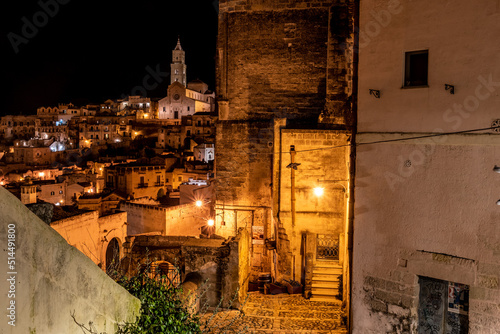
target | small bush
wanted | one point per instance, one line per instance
(162, 309)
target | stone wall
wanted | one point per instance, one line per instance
(437, 219)
(288, 59)
(180, 220)
(215, 260)
(91, 234)
(426, 207)
(244, 163)
(54, 280)
(323, 156)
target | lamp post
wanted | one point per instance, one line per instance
(293, 167)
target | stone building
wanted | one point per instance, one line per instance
(183, 98)
(137, 179)
(284, 90)
(17, 126)
(217, 265)
(426, 252)
(98, 237)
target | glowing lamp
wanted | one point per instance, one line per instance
(199, 203)
(318, 191)
(210, 222)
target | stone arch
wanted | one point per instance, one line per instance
(112, 255)
(164, 272)
(160, 194)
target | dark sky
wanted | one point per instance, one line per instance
(86, 51)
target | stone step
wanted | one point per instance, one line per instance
(325, 284)
(330, 299)
(324, 291)
(327, 263)
(325, 277)
(332, 271)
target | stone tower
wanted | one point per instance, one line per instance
(178, 65)
(28, 193)
(284, 78)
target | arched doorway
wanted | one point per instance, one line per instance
(160, 194)
(112, 255)
(164, 272)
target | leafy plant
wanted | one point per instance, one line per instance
(162, 308)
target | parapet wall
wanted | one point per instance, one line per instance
(52, 280)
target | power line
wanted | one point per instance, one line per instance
(396, 140)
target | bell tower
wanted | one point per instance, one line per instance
(178, 65)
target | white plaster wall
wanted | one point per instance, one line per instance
(55, 280)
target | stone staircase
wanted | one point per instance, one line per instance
(325, 281)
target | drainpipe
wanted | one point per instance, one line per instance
(352, 169)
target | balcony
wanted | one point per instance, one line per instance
(142, 185)
(159, 184)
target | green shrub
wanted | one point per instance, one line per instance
(162, 308)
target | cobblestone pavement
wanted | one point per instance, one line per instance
(279, 314)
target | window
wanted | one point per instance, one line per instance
(180, 178)
(443, 307)
(52, 193)
(60, 191)
(416, 68)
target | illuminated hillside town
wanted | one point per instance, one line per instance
(340, 177)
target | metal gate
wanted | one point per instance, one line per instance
(327, 247)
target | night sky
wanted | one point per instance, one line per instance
(89, 51)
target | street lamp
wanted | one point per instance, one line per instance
(319, 191)
(199, 203)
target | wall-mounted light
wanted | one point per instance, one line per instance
(449, 87)
(496, 169)
(375, 92)
(498, 202)
(319, 191)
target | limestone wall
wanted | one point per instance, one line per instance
(425, 208)
(321, 165)
(180, 220)
(438, 219)
(53, 280)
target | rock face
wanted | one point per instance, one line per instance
(44, 211)
(51, 280)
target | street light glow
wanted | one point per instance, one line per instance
(210, 222)
(318, 191)
(199, 203)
